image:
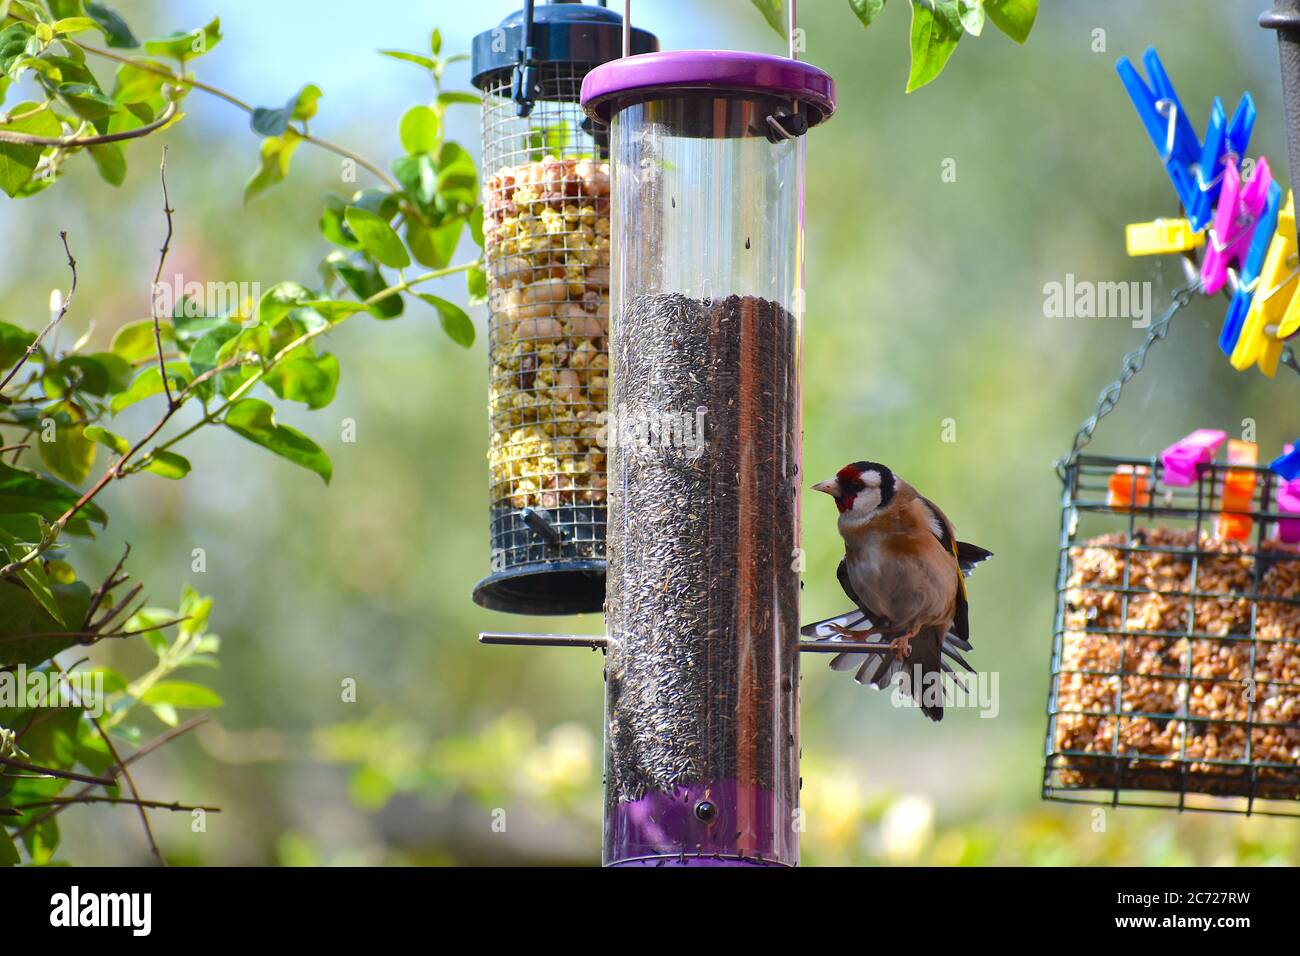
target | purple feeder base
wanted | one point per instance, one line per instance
(703, 824)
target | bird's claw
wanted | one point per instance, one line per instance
(848, 632)
(902, 647)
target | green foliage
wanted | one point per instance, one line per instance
(937, 26)
(193, 371)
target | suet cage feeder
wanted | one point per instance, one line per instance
(547, 238)
(1176, 655)
(702, 604)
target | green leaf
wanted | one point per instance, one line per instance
(310, 379)
(179, 693)
(70, 25)
(771, 10)
(1015, 18)
(364, 280)
(935, 32)
(33, 574)
(204, 357)
(454, 321)
(135, 342)
(422, 61)
(115, 29)
(476, 225)
(96, 374)
(88, 101)
(110, 160)
(335, 310)
(971, 13)
(268, 121)
(71, 455)
(186, 44)
(22, 492)
(276, 154)
(435, 41)
(254, 419)
(477, 286)
(14, 343)
(114, 443)
(168, 464)
(377, 237)
(17, 161)
(8, 852)
(420, 130)
(279, 300)
(22, 615)
(451, 97)
(434, 247)
(149, 383)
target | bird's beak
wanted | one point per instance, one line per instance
(831, 486)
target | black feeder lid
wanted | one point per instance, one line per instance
(564, 31)
(566, 586)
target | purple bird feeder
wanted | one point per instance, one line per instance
(702, 587)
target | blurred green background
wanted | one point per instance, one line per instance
(925, 303)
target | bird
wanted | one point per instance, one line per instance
(905, 572)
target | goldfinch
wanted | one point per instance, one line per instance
(904, 570)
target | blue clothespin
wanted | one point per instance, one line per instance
(1287, 464)
(1166, 122)
(1250, 266)
(1223, 138)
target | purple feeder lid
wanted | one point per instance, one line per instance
(609, 87)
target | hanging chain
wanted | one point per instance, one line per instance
(1132, 364)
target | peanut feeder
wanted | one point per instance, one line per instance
(547, 239)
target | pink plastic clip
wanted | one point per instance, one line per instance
(1183, 458)
(1288, 502)
(1239, 209)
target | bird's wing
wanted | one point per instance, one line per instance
(943, 530)
(860, 617)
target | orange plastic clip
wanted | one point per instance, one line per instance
(1129, 487)
(1238, 491)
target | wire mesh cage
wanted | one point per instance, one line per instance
(1176, 653)
(547, 239)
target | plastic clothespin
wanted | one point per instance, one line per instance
(1250, 268)
(1287, 464)
(1161, 237)
(1129, 487)
(1166, 123)
(1238, 491)
(1270, 303)
(1183, 459)
(1224, 140)
(1288, 502)
(1240, 207)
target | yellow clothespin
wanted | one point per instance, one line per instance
(1161, 236)
(1274, 303)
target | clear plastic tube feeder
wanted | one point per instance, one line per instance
(702, 600)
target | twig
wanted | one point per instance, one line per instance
(126, 774)
(151, 804)
(105, 586)
(153, 298)
(61, 774)
(159, 741)
(63, 310)
(30, 139)
(19, 447)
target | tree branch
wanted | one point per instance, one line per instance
(30, 139)
(63, 310)
(61, 774)
(90, 798)
(153, 297)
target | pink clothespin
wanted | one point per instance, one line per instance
(1240, 205)
(1183, 458)
(1288, 502)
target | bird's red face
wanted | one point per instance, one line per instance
(860, 487)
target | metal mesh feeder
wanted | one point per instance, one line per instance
(547, 238)
(702, 609)
(1176, 649)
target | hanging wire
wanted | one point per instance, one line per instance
(1132, 364)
